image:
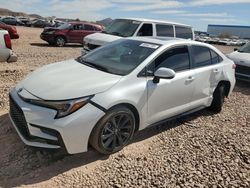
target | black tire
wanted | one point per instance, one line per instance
(218, 99)
(60, 41)
(113, 131)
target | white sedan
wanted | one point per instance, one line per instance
(6, 54)
(241, 58)
(101, 99)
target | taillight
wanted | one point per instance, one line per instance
(234, 66)
(7, 41)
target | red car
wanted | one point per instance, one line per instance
(11, 29)
(71, 32)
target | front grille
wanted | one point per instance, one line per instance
(242, 69)
(17, 116)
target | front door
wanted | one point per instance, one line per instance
(170, 97)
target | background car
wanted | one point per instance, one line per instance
(39, 23)
(11, 20)
(129, 27)
(6, 53)
(24, 20)
(72, 32)
(241, 58)
(101, 99)
(11, 29)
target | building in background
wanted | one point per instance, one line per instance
(229, 31)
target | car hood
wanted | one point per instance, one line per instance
(67, 80)
(100, 38)
(240, 58)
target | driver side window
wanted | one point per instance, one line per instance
(146, 30)
(176, 59)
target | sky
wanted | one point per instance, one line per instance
(198, 13)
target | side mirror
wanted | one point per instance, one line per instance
(235, 49)
(163, 73)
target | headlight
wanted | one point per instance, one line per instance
(63, 108)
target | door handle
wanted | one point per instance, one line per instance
(190, 78)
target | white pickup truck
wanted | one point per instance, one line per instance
(6, 53)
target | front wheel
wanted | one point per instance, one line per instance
(113, 131)
(218, 99)
(60, 41)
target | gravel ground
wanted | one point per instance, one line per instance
(202, 150)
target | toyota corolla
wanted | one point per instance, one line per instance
(101, 99)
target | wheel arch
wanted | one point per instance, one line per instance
(127, 105)
(227, 86)
(133, 110)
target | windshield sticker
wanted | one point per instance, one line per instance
(147, 45)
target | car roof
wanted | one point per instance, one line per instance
(156, 21)
(168, 41)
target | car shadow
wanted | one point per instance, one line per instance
(47, 45)
(39, 166)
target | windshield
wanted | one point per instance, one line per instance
(64, 26)
(245, 48)
(120, 57)
(123, 28)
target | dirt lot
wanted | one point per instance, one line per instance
(203, 150)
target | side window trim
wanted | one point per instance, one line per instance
(144, 71)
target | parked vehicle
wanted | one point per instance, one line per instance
(241, 58)
(102, 98)
(11, 20)
(24, 20)
(39, 23)
(72, 32)
(6, 54)
(11, 29)
(120, 28)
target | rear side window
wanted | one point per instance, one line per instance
(89, 27)
(183, 32)
(146, 30)
(215, 58)
(176, 59)
(201, 56)
(78, 27)
(164, 30)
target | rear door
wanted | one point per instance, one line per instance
(208, 73)
(75, 34)
(88, 29)
(170, 97)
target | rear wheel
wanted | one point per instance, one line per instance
(60, 41)
(113, 131)
(218, 99)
